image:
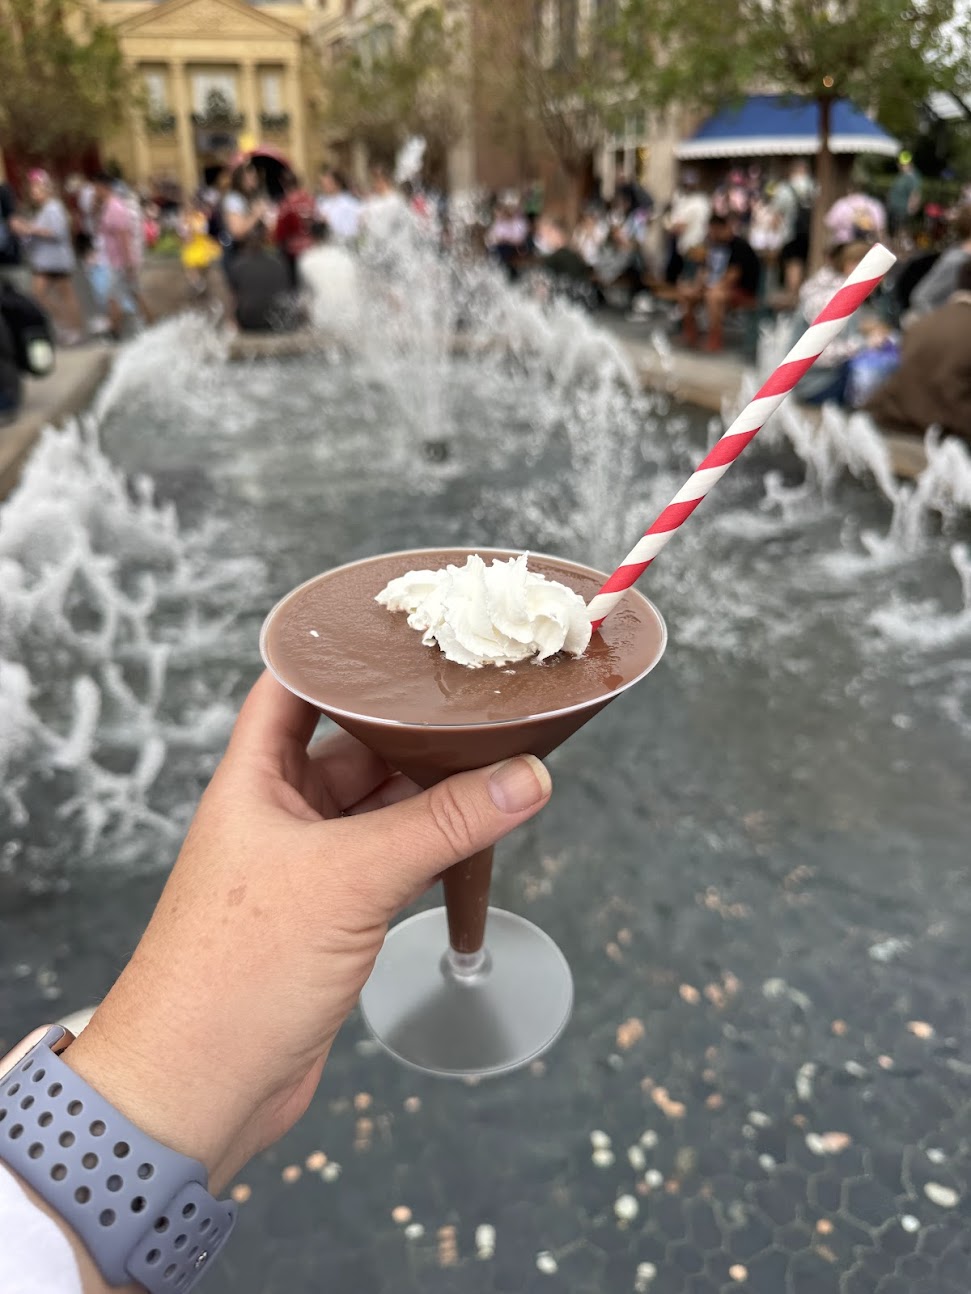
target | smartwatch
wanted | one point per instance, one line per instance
(143, 1211)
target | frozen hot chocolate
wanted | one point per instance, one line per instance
(333, 643)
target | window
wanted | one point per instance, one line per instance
(566, 35)
(205, 83)
(271, 92)
(156, 90)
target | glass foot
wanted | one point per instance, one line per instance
(490, 1019)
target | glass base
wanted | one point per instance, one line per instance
(501, 1011)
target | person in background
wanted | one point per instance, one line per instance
(825, 383)
(733, 199)
(11, 387)
(385, 219)
(729, 281)
(329, 273)
(50, 254)
(903, 196)
(13, 271)
(119, 236)
(242, 209)
(589, 235)
(261, 285)
(856, 218)
(566, 272)
(12, 268)
(932, 386)
(623, 264)
(941, 279)
(507, 237)
(337, 207)
(767, 229)
(793, 199)
(199, 249)
(213, 195)
(533, 202)
(687, 223)
(151, 222)
(294, 217)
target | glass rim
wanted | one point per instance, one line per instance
(357, 715)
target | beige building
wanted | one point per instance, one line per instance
(219, 77)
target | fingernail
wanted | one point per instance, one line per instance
(519, 783)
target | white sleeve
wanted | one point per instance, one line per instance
(35, 1256)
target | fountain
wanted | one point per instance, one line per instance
(759, 875)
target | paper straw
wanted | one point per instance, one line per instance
(829, 322)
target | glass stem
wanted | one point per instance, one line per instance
(466, 904)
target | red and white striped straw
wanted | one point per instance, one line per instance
(830, 321)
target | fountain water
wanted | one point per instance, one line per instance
(115, 611)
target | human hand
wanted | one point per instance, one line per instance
(214, 1037)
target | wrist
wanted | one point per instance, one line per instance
(149, 1077)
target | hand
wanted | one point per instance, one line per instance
(214, 1037)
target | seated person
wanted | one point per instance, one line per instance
(861, 357)
(261, 286)
(940, 281)
(328, 272)
(825, 383)
(507, 238)
(567, 272)
(729, 280)
(932, 386)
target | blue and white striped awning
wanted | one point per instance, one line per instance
(784, 126)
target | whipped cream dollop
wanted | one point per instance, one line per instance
(491, 615)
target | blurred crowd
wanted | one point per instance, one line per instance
(714, 259)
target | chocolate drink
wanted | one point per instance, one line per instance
(330, 642)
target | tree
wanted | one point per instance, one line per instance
(887, 54)
(397, 80)
(63, 81)
(544, 67)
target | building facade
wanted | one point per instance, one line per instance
(497, 146)
(218, 78)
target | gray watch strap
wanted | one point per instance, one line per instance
(141, 1209)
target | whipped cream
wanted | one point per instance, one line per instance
(491, 615)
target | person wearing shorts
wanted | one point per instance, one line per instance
(120, 254)
(50, 254)
(729, 281)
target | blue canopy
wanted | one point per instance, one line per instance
(787, 126)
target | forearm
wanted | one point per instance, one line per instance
(90, 1280)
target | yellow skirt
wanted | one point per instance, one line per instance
(200, 252)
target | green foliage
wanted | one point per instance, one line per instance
(398, 80)
(885, 53)
(63, 81)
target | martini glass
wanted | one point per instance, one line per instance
(466, 989)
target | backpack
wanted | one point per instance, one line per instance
(9, 246)
(804, 217)
(30, 331)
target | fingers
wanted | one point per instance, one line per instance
(273, 727)
(399, 849)
(345, 768)
(391, 791)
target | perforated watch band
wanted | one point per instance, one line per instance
(141, 1209)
